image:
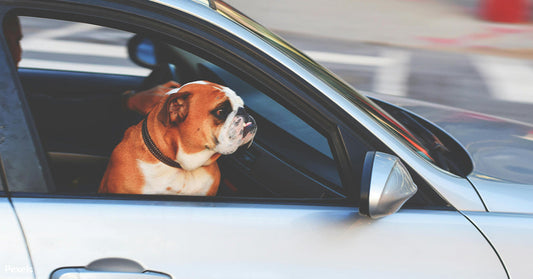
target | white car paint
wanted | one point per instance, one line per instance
(14, 260)
(500, 196)
(219, 240)
(512, 235)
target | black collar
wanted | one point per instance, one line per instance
(153, 148)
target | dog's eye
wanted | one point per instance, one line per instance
(222, 111)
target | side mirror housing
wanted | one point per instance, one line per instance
(385, 185)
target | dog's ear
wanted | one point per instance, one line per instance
(175, 109)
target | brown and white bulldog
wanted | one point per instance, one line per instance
(175, 148)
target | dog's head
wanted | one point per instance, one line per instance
(206, 117)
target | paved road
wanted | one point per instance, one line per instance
(487, 84)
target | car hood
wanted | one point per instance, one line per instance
(501, 151)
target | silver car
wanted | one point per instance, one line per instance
(336, 184)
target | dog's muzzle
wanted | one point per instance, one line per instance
(250, 127)
(239, 129)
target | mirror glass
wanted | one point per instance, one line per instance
(146, 52)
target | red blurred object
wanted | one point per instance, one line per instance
(512, 11)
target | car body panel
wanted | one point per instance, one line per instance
(512, 235)
(501, 151)
(504, 197)
(14, 259)
(224, 240)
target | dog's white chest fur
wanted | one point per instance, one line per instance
(162, 179)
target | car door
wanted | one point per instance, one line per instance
(228, 240)
(272, 236)
(14, 256)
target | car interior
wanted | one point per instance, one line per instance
(288, 158)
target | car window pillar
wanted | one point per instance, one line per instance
(22, 156)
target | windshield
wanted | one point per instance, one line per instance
(346, 90)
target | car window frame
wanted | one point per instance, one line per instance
(20, 147)
(312, 112)
(3, 179)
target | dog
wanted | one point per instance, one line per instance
(175, 148)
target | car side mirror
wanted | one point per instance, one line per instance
(385, 185)
(142, 51)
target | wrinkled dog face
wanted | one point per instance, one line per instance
(239, 127)
(211, 115)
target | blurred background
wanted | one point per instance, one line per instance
(470, 54)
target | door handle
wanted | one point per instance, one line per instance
(109, 268)
(82, 273)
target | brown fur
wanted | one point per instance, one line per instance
(181, 119)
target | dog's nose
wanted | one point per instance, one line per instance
(250, 127)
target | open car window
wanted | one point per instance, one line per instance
(72, 46)
(80, 117)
